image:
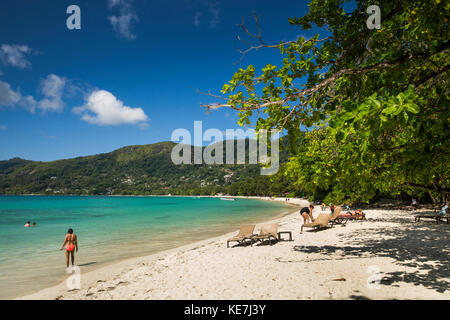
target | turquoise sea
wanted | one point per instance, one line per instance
(109, 229)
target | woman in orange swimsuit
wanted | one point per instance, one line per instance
(71, 243)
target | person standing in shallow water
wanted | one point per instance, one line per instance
(71, 243)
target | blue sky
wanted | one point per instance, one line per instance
(128, 76)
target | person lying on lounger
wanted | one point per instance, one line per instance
(355, 213)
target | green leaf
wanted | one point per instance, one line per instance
(412, 107)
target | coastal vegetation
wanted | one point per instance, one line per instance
(138, 170)
(366, 111)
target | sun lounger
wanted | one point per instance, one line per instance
(245, 233)
(345, 217)
(335, 216)
(320, 222)
(436, 216)
(268, 232)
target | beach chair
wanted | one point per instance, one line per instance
(335, 217)
(245, 233)
(438, 217)
(268, 232)
(320, 222)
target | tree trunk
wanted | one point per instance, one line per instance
(432, 197)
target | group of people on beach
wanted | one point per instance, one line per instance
(306, 212)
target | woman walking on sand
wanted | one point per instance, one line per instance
(71, 243)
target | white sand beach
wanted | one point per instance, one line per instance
(387, 256)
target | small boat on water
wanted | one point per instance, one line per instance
(228, 199)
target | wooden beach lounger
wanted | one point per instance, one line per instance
(320, 222)
(438, 217)
(245, 233)
(335, 217)
(268, 232)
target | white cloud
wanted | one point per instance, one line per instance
(8, 97)
(215, 11)
(118, 3)
(14, 55)
(122, 23)
(52, 88)
(197, 16)
(103, 108)
(212, 11)
(3, 127)
(28, 103)
(46, 136)
(11, 98)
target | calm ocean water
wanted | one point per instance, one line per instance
(109, 229)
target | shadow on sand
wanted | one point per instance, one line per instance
(87, 264)
(424, 247)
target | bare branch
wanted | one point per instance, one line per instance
(258, 36)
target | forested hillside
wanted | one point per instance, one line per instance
(134, 170)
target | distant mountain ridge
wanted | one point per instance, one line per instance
(131, 170)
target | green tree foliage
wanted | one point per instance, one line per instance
(375, 102)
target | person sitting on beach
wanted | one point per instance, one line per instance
(306, 213)
(443, 211)
(332, 207)
(27, 224)
(72, 244)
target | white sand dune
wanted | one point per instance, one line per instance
(411, 259)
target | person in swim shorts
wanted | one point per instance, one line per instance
(71, 244)
(306, 213)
